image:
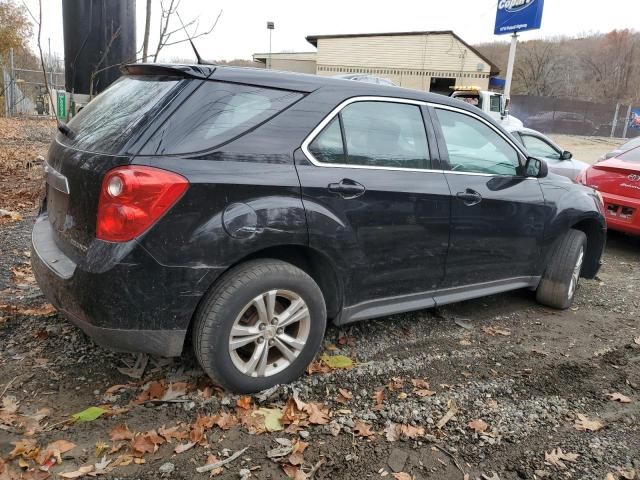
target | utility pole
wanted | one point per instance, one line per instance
(512, 58)
(270, 27)
(11, 91)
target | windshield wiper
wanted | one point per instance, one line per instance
(66, 129)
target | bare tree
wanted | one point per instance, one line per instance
(97, 68)
(147, 25)
(166, 35)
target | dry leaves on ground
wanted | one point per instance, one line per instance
(478, 425)
(402, 476)
(362, 429)
(493, 331)
(557, 457)
(585, 424)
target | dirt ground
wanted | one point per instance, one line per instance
(494, 388)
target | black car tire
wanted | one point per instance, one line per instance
(218, 311)
(555, 288)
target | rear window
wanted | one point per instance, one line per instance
(109, 120)
(216, 113)
(632, 155)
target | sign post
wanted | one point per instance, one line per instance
(513, 16)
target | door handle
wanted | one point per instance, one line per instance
(347, 188)
(469, 197)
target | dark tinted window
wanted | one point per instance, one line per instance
(385, 134)
(327, 146)
(109, 120)
(474, 147)
(631, 155)
(216, 113)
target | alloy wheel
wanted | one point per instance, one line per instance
(575, 275)
(269, 333)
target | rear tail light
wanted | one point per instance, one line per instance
(133, 198)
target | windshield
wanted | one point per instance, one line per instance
(109, 120)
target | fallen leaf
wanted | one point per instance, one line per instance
(420, 383)
(100, 448)
(77, 473)
(225, 421)
(175, 390)
(101, 465)
(296, 459)
(636, 340)
(378, 397)
(142, 444)
(493, 331)
(557, 457)
(627, 474)
(244, 402)
(212, 459)
(409, 431)
(401, 476)
(318, 414)
(120, 432)
(272, 418)
(447, 416)
(583, 423)
(26, 448)
(478, 425)
(344, 396)
(424, 393)
(618, 397)
(336, 361)
(610, 476)
(183, 447)
(293, 472)
(88, 415)
(361, 429)
(10, 214)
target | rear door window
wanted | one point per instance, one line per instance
(378, 134)
(216, 113)
(110, 120)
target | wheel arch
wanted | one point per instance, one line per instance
(596, 239)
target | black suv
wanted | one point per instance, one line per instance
(245, 208)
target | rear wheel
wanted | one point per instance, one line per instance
(260, 325)
(558, 285)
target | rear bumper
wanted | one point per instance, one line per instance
(615, 215)
(135, 305)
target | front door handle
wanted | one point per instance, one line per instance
(469, 197)
(347, 188)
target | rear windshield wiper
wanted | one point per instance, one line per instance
(66, 129)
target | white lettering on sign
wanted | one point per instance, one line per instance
(514, 5)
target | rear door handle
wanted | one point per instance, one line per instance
(347, 188)
(469, 197)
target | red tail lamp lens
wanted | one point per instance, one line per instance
(133, 198)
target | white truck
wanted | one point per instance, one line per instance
(492, 103)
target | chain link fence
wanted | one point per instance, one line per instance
(25, 92)
(576, 117)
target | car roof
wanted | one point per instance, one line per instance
(301, 82)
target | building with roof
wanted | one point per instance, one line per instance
(430, 60)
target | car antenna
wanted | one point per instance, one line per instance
(195, 50)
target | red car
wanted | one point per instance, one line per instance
(618, 181)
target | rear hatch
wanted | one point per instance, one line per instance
(77, 162)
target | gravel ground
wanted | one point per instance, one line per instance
(483, 388)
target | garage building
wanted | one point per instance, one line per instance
(431, 61)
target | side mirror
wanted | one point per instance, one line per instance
(536, 168)
(566, 155)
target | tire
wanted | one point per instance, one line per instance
(559, 283)
(241, 300)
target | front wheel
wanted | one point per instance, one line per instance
(558, 285)
(259, 326)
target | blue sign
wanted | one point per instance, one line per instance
(518, 15)
(634, 118)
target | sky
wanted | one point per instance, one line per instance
(241, 30)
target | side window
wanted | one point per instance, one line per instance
(216, 113)
(385, 134)
(327, 146)
(475, 147)
(539, 148)
(495, 103)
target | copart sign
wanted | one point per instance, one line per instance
(518, 15)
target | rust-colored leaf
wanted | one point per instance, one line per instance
(361, 429)
(244, 402)
(585, 424)
(120, 432)
(478, 425)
